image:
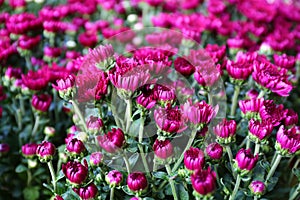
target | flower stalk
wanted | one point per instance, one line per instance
(229, 152)
(169, 171)
(141, 131)
(112, 193)
(273, 169)
(236, 187)
(51, 169)
(295, 193)
(36, 125)
(235, 100)
(128, 114)
(77, 111)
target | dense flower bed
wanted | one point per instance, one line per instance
(149, 99)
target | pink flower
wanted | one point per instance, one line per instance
(65, 86)
(260, 130)
(45, 151)
(112, 141)
(88, 192)
(96, 158)
(75, 172)
(291, 118)
(137, 181)
(29, 150)
(250, 106)
(35, 80)
(28, 43)
(214, 151)
(75, 148)
(4, 148)
(101, 55)
(270, 111)
(239, 70)
(169, 120)
(94, 124)
(252, 94)
(22, 23)
(114, 178)
(272, 78)
(88, 39)
(194, 159)
(288, 140)
(204, 181)
(147, 99)
(284, 61)
(164, 94)
(163, 149)
(41, 102)
(199, 113)
(257, 188)
(225, 131)
(216, 52)
(245, 160)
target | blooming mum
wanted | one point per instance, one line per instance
(287, 140)
(194, 159)
(203, 182)
(112, 141)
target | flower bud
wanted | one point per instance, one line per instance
(203, 182)
(137, 181)
(163, 149)
(88, 192)
(29, 150)
(41, 102)
(257, 188)
(75, 148)
(214, 151)
(75, 172)
(225, 131)
(112, 141)
(291, 118)
(65, 87)
(259, 131)
(245, 161)
(50, 131)
(58, 197)
(194, 159)
(94, 124)
(4, 149)
(96, 158)
(114, 178)
(45, 151)
(250, 107)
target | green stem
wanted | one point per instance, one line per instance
(51, 169)
(154, 165)
(19, 118)
(210, 99)
(229, 152)
(256, 150)
(248, 143)
(28, 63)
(295, 193)
(189, 144)
(141, 131)
(59, 162)
(236, 187)
(128, 114)
(274, 166)
(235, 100)
(297, 71)
(261, 94)
(168, 168)
(294, 167)
(273, 159)
(126, 163)
(22, 107)
(29, 177)
(112, 192)
(36, 125)
(255, 198)
(77, 111)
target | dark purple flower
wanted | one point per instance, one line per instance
(147, 99)
(75, 172)
(169, 120)
(36, 80)
(112, 141)
(29, 150)
(288, 140)
(163, 149)
(137, 181)
(272, 78)
(272, 112)
(114, 178)
(214, 151)
(96, 158)
(225, 131)
(41, 102)
(28, 43)
(75, 148)
(45, 151)
(88, 192)
(194, 159)
(245, 160)
(183, 66)
(257, 188)
(204, 181)
(4, 148)
(260, 130)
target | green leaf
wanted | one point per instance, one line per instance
(70, 195)
(133, 159)
(160, 175)
(265, 164)
(296, 172)
(20, 168)
(48, 187)
(126, 190)
(183, 194)
(271, 183)
(31, 193)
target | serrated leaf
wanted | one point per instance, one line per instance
(20, 168)
(31, 193)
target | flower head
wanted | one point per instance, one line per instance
(214, 151)
(257, 188)
(29, 150)
(101, 56)
(75, 172)
(203, 182)
(88, 192)
(75, 148)
(245, 161)
(65, 87)
(225, 131)
(250, 107)
(287, 140)
(259, 131)
(96, 158)
(94, 124)
(137, 181)
(163, 149)
(4, 149)
(291, 118)
(148, 98)
(194, 159)
(112, 141)
(36, 80)
(45, 151)
(184, 67)
(272, 112)
(41, 102)
(114, 178)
